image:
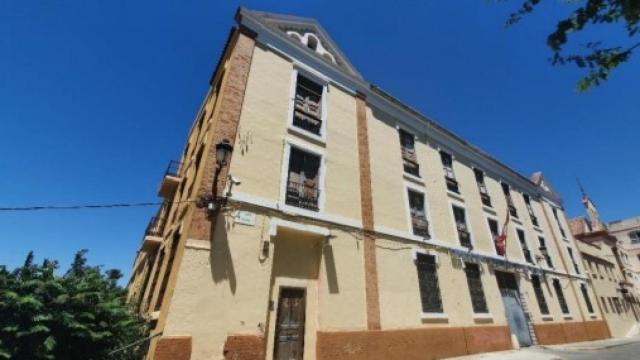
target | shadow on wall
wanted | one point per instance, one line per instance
(330, 267)
(220, 256)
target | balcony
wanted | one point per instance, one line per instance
(303, 194)
(171, 180)
(153, 234)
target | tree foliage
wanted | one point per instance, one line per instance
(596, 58)
(79, 315)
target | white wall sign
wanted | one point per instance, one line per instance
(245, 218)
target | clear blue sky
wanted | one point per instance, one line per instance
(97, 96)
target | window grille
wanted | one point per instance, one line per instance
(474, 281)
(409, 157)
(419, 223)
(308, 105)
(461, 226)
(587, 300)
(537, 289)
(545, 252)
(482, 187)
(428, 283)
(302, 184)
(449, 175)
(525, 248)
(563, 302)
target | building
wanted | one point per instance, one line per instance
(314, 216)
(602, 258)
(628, 234)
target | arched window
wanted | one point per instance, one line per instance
(634, 236)
(312, 42)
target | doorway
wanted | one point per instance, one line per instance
(516, 317)
(289, 335)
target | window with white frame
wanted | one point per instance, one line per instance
(417, 211)
(474, 282)
(430, 299)
(634, 236)
(532, 216)
(495, 232)
(409, 157)
(523, 244)
(537, 289)
(449, 174)
(307, 113)
(555, 215)
(482, 187)
(303, 182)
(587, 299)
(460, 218)
(573, 260)
(507, 195)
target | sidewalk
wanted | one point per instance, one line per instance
(539, 353)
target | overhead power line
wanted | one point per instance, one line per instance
(87, 206)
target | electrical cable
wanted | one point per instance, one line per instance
(89, 206)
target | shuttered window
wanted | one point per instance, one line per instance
(307, 112)
(464, 236)
(428, 283)
(560, 294)
(525, 249)
(303, 181)
(478, 300)
(482, 187)
(507, 195)
(409, 157)
(527, 202)
(449, 175)
(587, 299)
(545, 252)
(419, 223)
(493, 228)
(537, 289)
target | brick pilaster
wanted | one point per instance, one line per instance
(173, 348)
(226, 126)
(366, 203)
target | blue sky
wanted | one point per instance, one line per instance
(96, 97)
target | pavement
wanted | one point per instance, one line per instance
(610, 349)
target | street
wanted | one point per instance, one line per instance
(621, 352)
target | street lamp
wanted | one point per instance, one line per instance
(223, 153)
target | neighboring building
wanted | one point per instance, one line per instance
(628, 234)
(602, 258)
(314, 216)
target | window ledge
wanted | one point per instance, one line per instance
(547, 317)
(567, 316)
(416, 179)
(455, 195)
(482, 316)
(434, 316)
(316, 139)
(489, 210)
(516, 220)
(593, 316)
(538, 229)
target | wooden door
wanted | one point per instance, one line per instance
(289, 337)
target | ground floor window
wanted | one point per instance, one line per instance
(428, 283)
(560, 294)
(537, 289)
(587, 300)
(478, 300)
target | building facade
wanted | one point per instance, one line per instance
(627, 232)
(314, 216)
(604, 260)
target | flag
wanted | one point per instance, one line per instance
(501, 240)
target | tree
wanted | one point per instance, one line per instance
(79, 315)
(598, 59)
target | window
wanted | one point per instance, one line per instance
(604, 304)
(537, 289)
(563, 302)
(532, 216)
(449, 175)
(167, 271)
(461, 226)
(303, 181)
(523, 244)
(634, 236)
(419, 223)
(478, 300)
(495, 232)
(409, 158)
(428, 283)
(573, 260)
(545, 252)
(507, 195)
(482, 187)
(555, 215)
(613, 308)
(585, 295)
(307, 113)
